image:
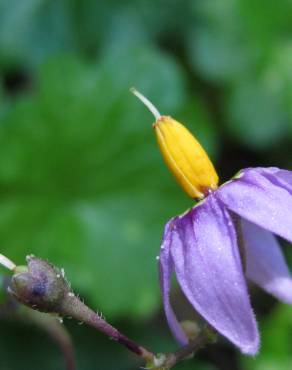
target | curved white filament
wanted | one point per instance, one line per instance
(146, 102)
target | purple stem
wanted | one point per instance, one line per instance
(73, 307)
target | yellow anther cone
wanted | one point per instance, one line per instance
(183, 154)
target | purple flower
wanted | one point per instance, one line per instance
(224, 239)
(201, 247)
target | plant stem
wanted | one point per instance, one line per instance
(73, 307)
(169, 360)
(188, 350)
(43, 287)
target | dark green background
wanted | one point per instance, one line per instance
(81, 180)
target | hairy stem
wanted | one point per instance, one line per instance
(43, 287)
(73, 307)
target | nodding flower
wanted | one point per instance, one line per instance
(225, 239)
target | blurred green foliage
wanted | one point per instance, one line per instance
(81, 180)
(276, 352)
(75, 186)
(245, 47)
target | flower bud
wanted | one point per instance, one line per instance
(183, 154)
(41, 285)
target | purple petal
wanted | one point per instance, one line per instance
(266, 265)
(165, 272)
(208, 268)
(254, 197)
(282, 178)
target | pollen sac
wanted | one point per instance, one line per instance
(185, 158)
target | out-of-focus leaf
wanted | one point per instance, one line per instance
(81, 179)
(256, 112)
(281, 72)
(244, 47)
(93, 350)
(33, 29)
(233, 37)
(276, 336)
(218, 46)
(189, 365)
(17, 352)
(156, 19)
(259, 108)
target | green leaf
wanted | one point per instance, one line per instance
(234, 38)
(33, 30)
(243, 47)
(218, 45)
(82, 182)
(275, 353)
(256, 114)
(25, 346)
(30, 30)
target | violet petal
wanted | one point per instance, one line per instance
(165, 273)
(266, 265)
(209, 270)
(255, 198)
(282, 178)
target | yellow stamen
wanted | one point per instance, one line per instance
(183, 154)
